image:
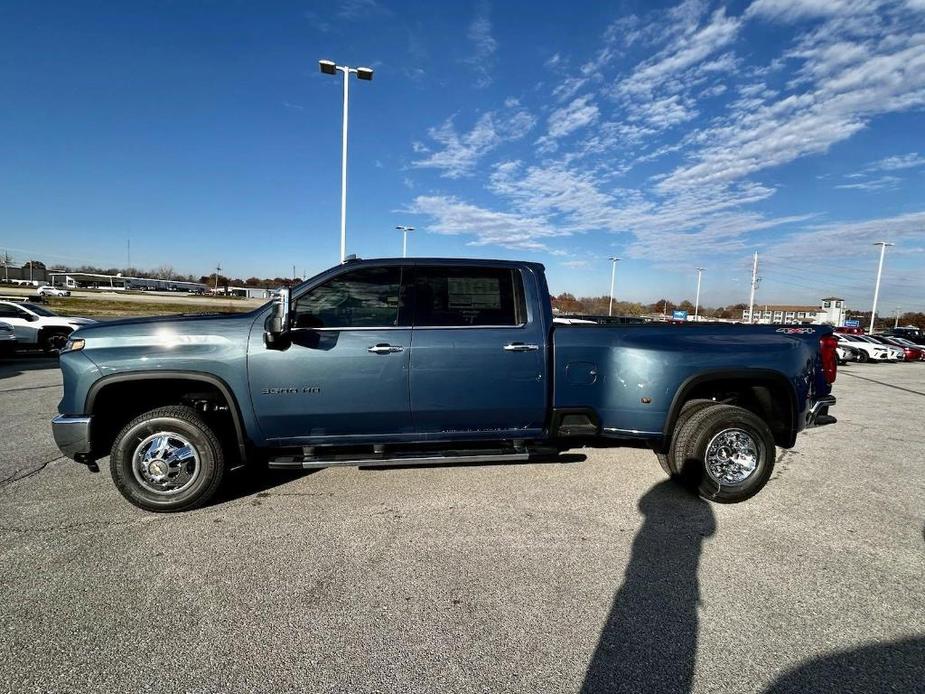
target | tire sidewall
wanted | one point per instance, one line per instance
(123, 451)
(688, 412)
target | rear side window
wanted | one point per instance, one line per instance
(365, 298)
(461, 296)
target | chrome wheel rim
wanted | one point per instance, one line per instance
(732, 456)
(166, 463)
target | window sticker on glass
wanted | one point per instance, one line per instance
(476, 293)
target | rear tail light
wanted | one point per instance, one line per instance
(827, 345)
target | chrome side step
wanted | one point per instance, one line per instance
(305, 463)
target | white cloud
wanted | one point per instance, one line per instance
(359, 9)
(874, 184)
(484, 47)
(845, 92)
(685, 52)
(900, 161)
(667, 155)
(793, 10)
(449, 215)
(460, 152)
(851, 239)
(578, 114)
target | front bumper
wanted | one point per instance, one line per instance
(818, 414)
(72, 434)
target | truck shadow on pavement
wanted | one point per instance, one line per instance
(649, 641)
(17, 364)
(254, 483)
(895, 666)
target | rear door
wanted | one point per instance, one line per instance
(345, 376)
(478, 366)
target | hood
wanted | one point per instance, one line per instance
(184, 323)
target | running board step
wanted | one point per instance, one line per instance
(301, 462)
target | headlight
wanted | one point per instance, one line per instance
(74, 345)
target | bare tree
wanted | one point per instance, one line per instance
(165, 272)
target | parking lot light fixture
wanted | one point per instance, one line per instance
(873, 311)
(329, 67)
(613, 276)
(404, 243)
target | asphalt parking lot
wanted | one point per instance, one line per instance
(596, 575)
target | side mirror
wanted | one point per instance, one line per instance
(276, 330)
(32, 318)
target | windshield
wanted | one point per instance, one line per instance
(39, 310)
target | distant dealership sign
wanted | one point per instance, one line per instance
(679, 315)
(852, 323)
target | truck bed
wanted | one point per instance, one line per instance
(630, 375)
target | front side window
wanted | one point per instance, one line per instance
(40, 310)
(363, 298)
(7, 311)
(467, 296)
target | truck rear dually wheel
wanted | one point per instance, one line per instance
(167, 459)
(724, 453)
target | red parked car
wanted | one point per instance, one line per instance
(913, 351)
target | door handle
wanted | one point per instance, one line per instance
(385, 349)
(520, 347)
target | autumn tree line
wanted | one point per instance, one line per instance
(598, 305)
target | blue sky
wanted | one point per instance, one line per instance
(670, 135)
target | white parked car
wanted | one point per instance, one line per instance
(868, 351)
(48, 290)
(36, 325)
(895, 353)
(7, 338)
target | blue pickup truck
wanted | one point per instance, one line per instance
(423, 361)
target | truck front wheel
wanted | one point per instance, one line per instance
(724, 453)
(167, 459)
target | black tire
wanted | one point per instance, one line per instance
(691, 447)
(188, 428)
(863, 357)
(688, 410)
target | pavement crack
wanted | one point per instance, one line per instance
(32, 473)
(91, 525)
(19, 390)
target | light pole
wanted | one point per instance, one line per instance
(751, 298)
(896, 322)
(404, 241)
(873, 311)
(613, 277)
(697, 300)
(328, 67)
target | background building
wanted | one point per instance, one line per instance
(94, 280)
(831, 310)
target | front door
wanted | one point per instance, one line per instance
(345, 376)
(478, 367)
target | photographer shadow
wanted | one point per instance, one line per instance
(649, 641)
